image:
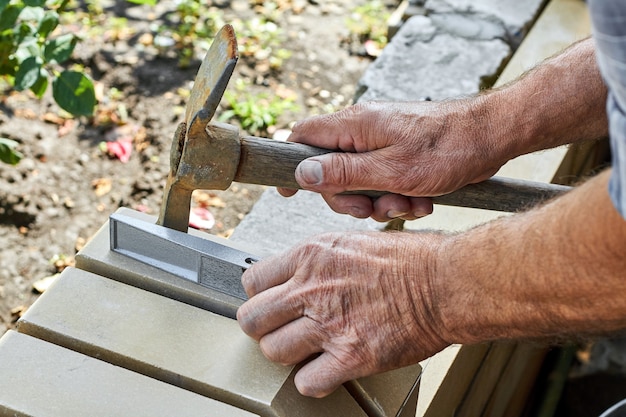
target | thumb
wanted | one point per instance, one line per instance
(334, 173)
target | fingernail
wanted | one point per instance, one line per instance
(394, 214)
(357, 212)
(310, 171)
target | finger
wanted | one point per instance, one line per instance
(359, 206)
(269, 310)
(293, 342)
(322, 376)
(286, 192)
(267, 273)
(421, 207)
(391, 206)
(334, 173)
(326, 131)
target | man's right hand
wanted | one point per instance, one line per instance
(413, 150)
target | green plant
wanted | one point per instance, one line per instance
(32, 50)
(256, 112)
(367, 22)
(8, 153)
(260, 40)
(194, 23)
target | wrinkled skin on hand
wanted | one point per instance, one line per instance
(357, 303)
(412, 150)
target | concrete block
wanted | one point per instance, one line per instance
(42, 379)
(422, 61)
(173, 342)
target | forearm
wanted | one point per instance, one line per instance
(560, 101)
(554, 271)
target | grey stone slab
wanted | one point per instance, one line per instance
(516, 16)
(41, 379)
(173, 342)
(276, 223)
(422, 61)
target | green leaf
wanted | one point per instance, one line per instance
(4, 4)
(49, 22)
(59, 49)
(41, 85)
(35, 3)
(27, 74)
(8, 154)
(32, 14)
(74, 93)
(9, 16)
(29, 47)
(150, 2)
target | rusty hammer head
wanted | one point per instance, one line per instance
(190, 169)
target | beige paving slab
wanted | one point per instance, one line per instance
(390, 390)
(41, 379)
(392, 394)
(174, 342)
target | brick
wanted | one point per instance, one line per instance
(42, 379)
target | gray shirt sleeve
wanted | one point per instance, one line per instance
(609, 33)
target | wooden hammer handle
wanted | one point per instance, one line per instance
(268, 162)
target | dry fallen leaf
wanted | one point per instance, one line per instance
(102, 186)
(25, 114)
(205, 199)
(43, 284)
(18, 312)
(53, 118)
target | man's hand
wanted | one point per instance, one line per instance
(357, 304)
(408, 149)
(424, 149)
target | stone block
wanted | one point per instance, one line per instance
(514, 15)
(173, 342)
(422, 61)
(42, 379)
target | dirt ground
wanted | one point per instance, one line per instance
(66, 185)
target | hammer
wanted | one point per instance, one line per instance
(211, 155)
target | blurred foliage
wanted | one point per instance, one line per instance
(368, 23)
(8, 153)
(254, 111)
(33, 49)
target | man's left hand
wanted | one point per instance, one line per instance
(357, 304)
